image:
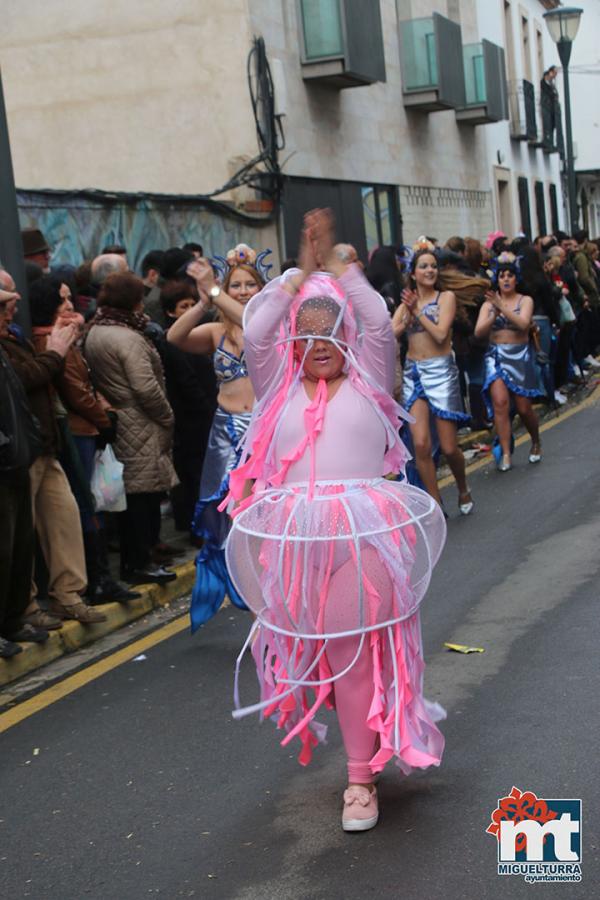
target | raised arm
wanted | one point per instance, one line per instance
(262, 318)
(188, 335)
(185, 332)
(378, 347)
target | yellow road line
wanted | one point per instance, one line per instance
(558, 420)
(74, 682)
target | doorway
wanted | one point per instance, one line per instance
(503, 200)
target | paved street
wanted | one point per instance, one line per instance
(144, 785)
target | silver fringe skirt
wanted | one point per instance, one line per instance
(514, 365)
(222, 455)
(436, 381)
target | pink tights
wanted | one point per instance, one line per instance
(354, 691)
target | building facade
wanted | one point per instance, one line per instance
(404, 116)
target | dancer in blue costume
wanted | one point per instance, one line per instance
(430, 385)
(224, 340)
(505, 319)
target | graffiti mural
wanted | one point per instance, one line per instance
(77, 225)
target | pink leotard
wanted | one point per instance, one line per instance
(351, 444)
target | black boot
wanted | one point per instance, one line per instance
(102, 587)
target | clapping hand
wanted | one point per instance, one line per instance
(320, 227)
(410, 300)
(494, 300)
(203, 274)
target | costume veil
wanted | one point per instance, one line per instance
(323, 560)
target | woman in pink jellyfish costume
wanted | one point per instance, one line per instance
(331, 556)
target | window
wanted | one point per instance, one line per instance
(523, 190)
(540, 207)
(342, 42)
(365, 215)
(486, 91)
(539, 48)
(419, 54)
(322, 26)
(526, 47)
(431, 57)
(380, 215)
(554, 208)
(504, 207)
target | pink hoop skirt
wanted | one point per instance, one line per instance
(352, 561)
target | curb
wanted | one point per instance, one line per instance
(74, 635)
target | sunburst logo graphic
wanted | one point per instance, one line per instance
(518, 806)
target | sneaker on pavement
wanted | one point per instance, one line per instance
(360, 808)
(560, 398)
(8, 648)
(79, 612)
(592, 361)
(29, 634)
(41, 619)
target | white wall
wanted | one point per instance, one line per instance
(518, 156)
(142, 95)
(365, 133)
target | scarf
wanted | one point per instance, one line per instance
(110, 315)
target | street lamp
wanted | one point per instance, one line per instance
(563, 24)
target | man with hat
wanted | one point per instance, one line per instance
(35, 248)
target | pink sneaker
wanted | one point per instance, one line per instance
(360, 809)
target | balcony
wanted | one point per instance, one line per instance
(342, 42)
(432, 64)
(486, 93)
(523, 125)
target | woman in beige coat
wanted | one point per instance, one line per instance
(127, 370)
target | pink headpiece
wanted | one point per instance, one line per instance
(493, 236)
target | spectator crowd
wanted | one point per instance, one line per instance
(152, 366)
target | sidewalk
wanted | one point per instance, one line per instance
(73, 635)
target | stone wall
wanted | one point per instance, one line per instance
(442, 212)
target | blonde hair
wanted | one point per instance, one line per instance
(227, 323)
(468, 289)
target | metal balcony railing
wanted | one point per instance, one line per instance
(432, 63)
(341, 42)
(485, 84)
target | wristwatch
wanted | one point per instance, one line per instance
(214, 292)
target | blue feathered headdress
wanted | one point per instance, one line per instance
(243, 255)
(504, 262)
